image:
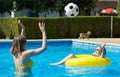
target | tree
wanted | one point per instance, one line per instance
(118, 7)
(36, 5)
(82, 4)
(5, 6)
(46, 6)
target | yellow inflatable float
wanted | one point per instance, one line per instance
(87, 60)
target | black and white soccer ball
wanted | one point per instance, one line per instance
(71, 10)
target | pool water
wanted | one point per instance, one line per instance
(56, 51)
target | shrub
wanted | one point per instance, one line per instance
(62, 27)
(9, 26)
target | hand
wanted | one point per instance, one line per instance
(42, 26)
(21, 25)
(103, 45)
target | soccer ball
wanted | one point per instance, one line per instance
(71, 10)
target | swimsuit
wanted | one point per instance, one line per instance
(29, 65)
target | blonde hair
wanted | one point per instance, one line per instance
(18, 45)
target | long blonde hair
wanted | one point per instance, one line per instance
(18, 45)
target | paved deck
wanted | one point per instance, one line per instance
(115, 41)
(107, 40)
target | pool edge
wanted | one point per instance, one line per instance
(78, 40)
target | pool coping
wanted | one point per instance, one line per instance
(95, 42)
(78, 40)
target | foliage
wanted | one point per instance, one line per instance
(116, 26)
(8, 27)
(83, 5)
(2, 34)
(62, 27)
(118, 7)
(45, 5)
(5, 6)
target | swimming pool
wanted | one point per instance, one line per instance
(56, 51)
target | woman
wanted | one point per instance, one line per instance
(22, 56)
(99, 52)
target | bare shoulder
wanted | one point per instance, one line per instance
(28, 53)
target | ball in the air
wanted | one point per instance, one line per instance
(71, 10)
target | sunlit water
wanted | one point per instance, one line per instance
(56, 51)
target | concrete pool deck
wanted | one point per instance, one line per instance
(113, 41)
(106, 40)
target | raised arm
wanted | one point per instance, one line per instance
(44, 40)
(103, 45)
(103, 50)
(22, 28)
(34, 52)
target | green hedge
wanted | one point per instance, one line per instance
(118, 7)
(62, 27)
(116, 27)
(8, 27)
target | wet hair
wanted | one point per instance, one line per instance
(103, 50)
(18, 45)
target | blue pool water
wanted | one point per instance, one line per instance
(56, 51)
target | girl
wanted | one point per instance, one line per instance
(21, 56)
